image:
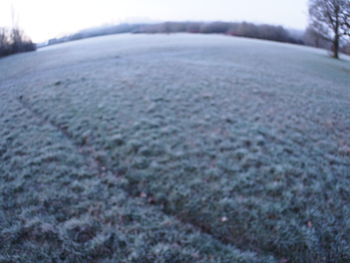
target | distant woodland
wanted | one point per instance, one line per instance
(309, 37)
(244, 29)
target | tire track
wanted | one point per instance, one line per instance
(89, 154)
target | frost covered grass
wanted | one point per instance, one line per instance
(176, 148)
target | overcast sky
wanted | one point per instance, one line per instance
(44, 19)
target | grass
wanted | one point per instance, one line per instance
(175, 148)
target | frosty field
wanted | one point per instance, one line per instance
(174, 148)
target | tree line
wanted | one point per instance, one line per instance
(14, 41)
(329, 28)
(243, 29)
(310, 37)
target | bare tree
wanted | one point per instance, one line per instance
(327, 17)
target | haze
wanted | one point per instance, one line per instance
(43, 19)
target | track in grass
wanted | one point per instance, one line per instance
(58, 203)
(90, 157)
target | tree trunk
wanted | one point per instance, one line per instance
(336, 47)
(336, 33)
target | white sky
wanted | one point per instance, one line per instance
(44, 19)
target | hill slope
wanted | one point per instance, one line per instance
(180, 148)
